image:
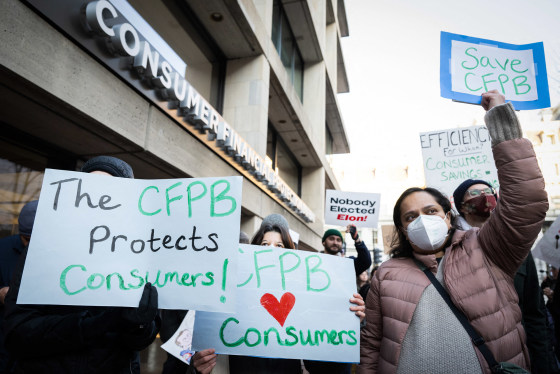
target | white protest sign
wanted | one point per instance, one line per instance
(290, 304)
(480, 68)
(98, 239)
(548, 248)
(180, 344)
(454, 155)
(358, 208)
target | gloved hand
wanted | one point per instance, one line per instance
(97, 322)
(146, 311)
(353, 232)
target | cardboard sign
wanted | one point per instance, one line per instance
(357, 208)
(548, 248)
(454, 155)
(180, 344)
(98, 239)
(290, 304)
(471, 66)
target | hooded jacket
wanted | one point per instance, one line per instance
(478, 272)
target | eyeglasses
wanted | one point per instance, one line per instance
(487, 191)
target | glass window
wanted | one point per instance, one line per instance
(285, 43)
(298, 74)
(21, 176)
(282, 161)
(328, 141)
(23, 160)
(287, 167)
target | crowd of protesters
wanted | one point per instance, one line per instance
(459, 294)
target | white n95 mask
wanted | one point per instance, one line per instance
(428, 233)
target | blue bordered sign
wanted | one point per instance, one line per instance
(470, 66)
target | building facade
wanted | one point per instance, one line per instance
(177, 88)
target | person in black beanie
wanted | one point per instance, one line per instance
(475, 200)
(110, 165)
(80, 339)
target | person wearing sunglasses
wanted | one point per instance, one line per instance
(475, 200)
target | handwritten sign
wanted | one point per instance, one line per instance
(98, 239)
(290, 304)
(180, 344)
(358, 208)
(548, 248)
(454, 155)
(470, 66)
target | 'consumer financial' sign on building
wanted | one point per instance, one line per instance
(158, 74)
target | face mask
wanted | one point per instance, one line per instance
(481, 205)
(428, 233)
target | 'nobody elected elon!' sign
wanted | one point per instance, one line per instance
(98, 239)
(358, 208)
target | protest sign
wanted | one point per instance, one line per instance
(358, 208)
(548, 248)
(180, 344)
(387, 232)
(454, 155)
(98, 239)
(471, 66)
(290, 304)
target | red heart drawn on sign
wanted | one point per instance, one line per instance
(278, 310)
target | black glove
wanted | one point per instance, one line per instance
(96, 323)
(354, 232)
(146, 311)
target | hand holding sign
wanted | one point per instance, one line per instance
(470, 66)
(205, 360)
(491, 99)
(147, 309)
(289, 305)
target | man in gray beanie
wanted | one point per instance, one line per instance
(81, 339)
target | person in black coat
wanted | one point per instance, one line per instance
(80, 339)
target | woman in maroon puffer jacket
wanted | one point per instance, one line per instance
(410, 328)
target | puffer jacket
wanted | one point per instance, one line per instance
(478, 272)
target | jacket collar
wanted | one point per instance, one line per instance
(430, 261)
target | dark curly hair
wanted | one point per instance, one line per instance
(400, 246)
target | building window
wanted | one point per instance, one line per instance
(285, 43)
(282, 161)
(23, 160)
(328, 141)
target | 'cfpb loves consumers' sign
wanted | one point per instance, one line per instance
(358, 208)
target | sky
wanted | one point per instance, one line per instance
(392, 61)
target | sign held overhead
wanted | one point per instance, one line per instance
(471, 66)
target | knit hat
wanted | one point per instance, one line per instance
(460, 191)
(244, 238)
(330, 232)
(27, 217)
(276, 220)
(112, 165)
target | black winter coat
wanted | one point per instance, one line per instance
(71, 339)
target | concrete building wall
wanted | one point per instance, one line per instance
(88, 110)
